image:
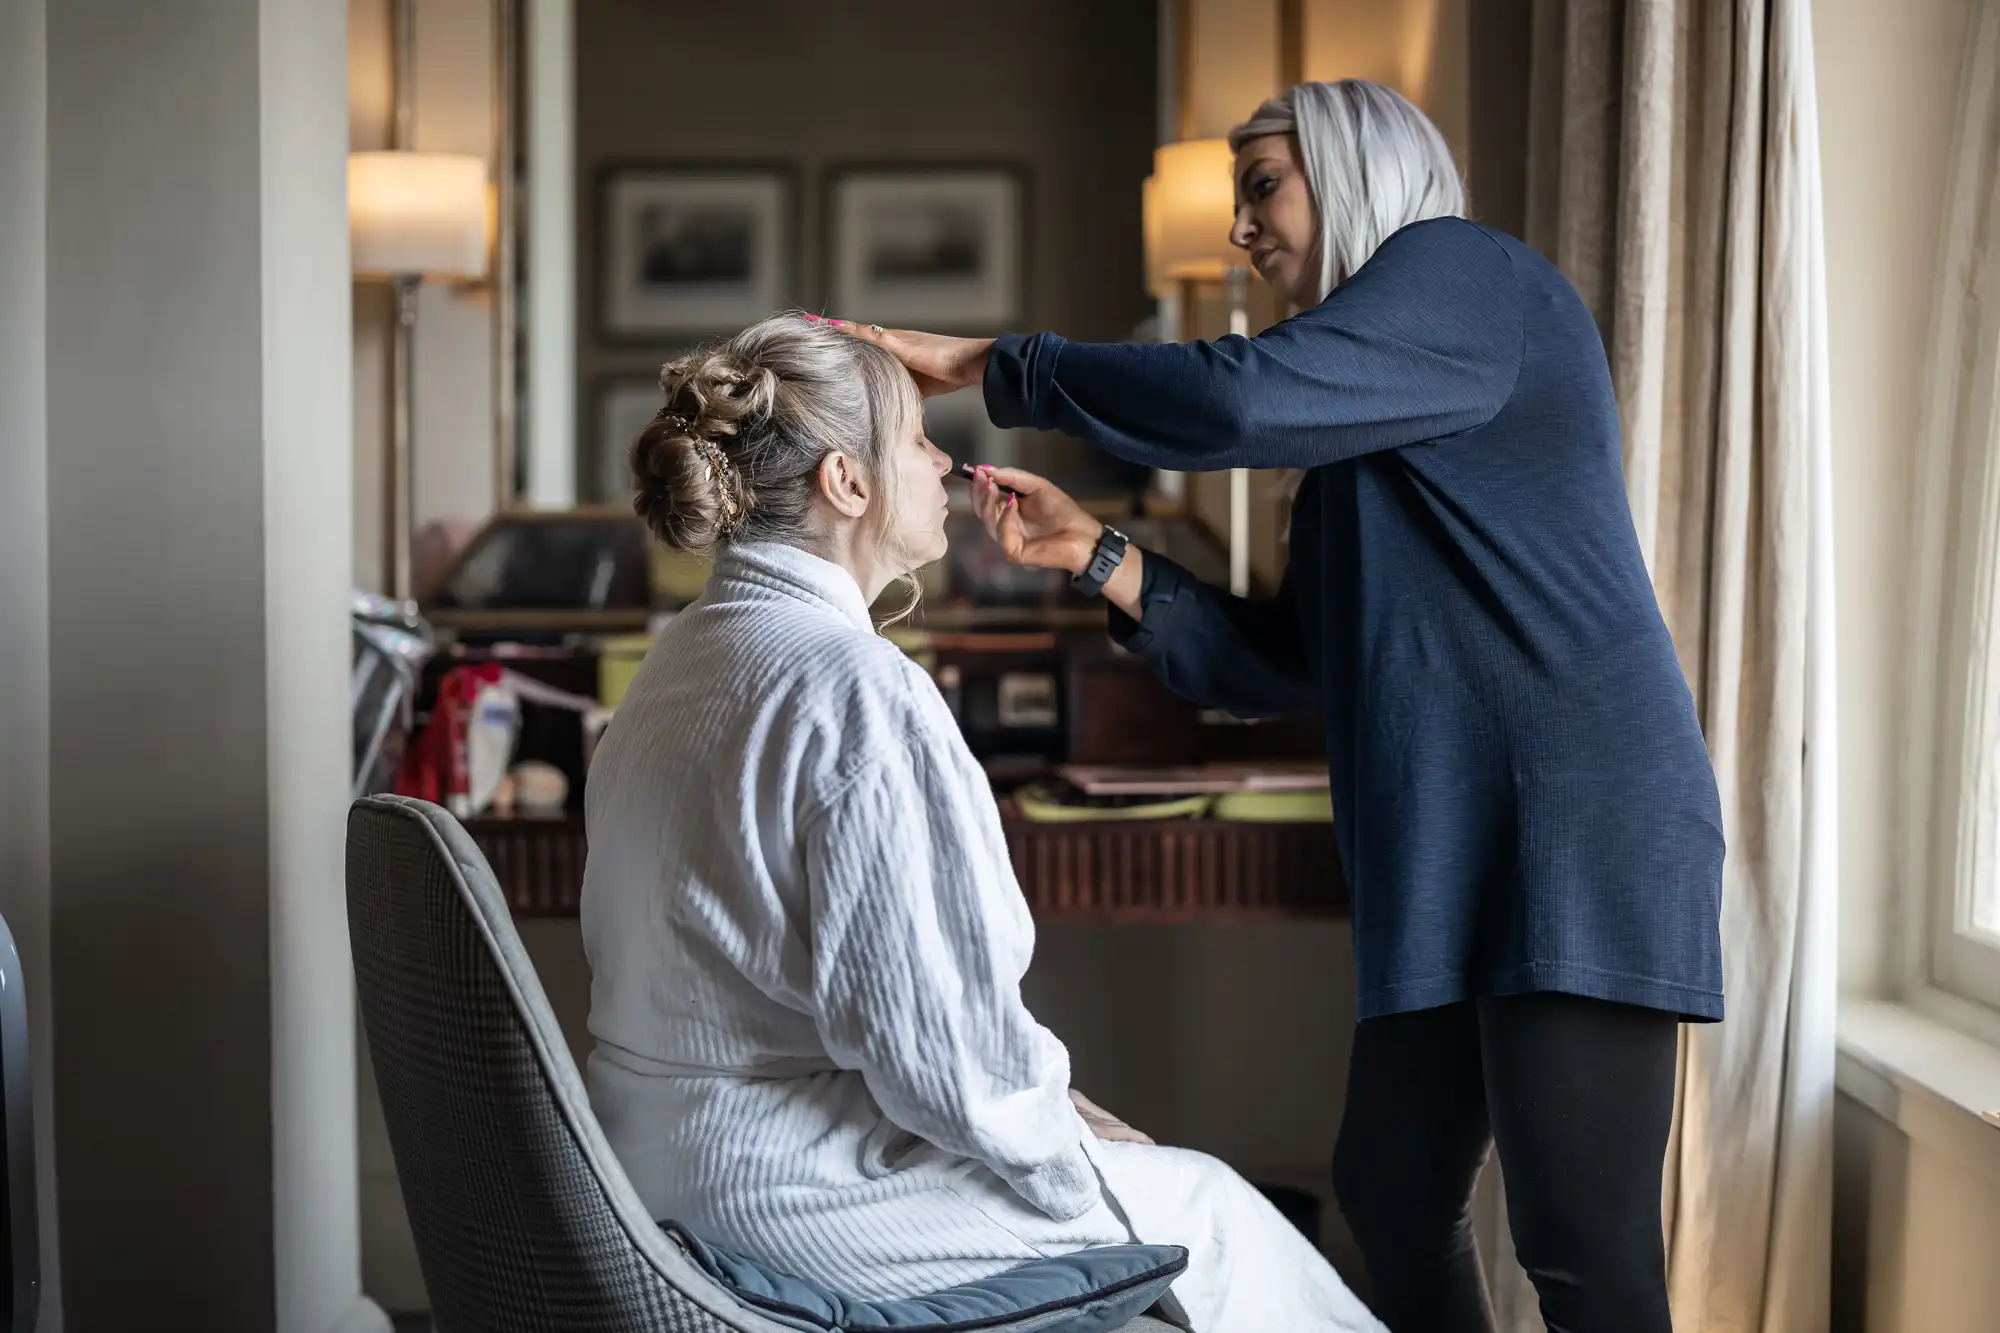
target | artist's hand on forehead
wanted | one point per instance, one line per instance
(938, 363)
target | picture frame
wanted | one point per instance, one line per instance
(686, 249)
(927, 245)
(620, 409)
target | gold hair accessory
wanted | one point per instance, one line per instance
(723, 478)
(722, 475)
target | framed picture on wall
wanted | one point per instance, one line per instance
(625, 403)
(693, 249)
(927, 246)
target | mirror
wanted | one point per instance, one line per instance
(853, 165)
(666, 171)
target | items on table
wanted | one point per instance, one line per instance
(464, 756)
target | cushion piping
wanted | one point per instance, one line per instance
(1173, 1268)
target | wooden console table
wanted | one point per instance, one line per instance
(1149, 870)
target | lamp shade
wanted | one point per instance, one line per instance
(421, 214)
(1190, 205)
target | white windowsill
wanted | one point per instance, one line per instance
(1937, 1084)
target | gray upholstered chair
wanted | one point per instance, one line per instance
(524, 1221)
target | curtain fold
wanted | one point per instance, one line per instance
(1674, 176)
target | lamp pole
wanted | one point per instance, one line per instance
(396, 505)
(506, 393)
(398, 518)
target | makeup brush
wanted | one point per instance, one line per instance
(966, 472)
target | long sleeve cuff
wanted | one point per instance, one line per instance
(1160, 582)
(1064, 1187)
(1018, 373)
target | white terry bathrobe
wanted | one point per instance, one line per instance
(806, 944)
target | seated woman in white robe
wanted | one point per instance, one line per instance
(806, 939)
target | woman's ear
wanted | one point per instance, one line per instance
(843, 485)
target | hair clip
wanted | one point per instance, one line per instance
(712, 455)
(725, 480)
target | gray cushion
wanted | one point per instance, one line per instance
(1085, 1292)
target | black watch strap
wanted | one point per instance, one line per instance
(1104, 562)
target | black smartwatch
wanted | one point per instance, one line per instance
(1104, 562)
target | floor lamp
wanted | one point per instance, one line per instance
(411, 216)
(1190, 205)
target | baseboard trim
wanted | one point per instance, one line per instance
(363, 1316)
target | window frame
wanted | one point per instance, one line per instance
(1952, 764)
(1964, 815)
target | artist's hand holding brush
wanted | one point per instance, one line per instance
(1038, 524)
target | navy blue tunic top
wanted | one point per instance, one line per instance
(1522, 797)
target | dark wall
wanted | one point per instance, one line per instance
(1496, 170)
(1063, 87)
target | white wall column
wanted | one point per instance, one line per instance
(198, 512)
(24, 572)
(549, 304)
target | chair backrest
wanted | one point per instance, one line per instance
(20, 1242)
(524, 1221)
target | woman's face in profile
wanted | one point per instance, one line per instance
(916, 478)
(1274, 218)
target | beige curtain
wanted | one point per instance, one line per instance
(1674, 176)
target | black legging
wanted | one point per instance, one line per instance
(1577, 1095)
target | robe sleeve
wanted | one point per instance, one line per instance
(917, 963)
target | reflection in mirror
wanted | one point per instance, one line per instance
(636, 216)
(701, 205)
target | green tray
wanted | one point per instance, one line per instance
(1276, 807)
(1035, 802)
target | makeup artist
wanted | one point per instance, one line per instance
(1523, 802)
